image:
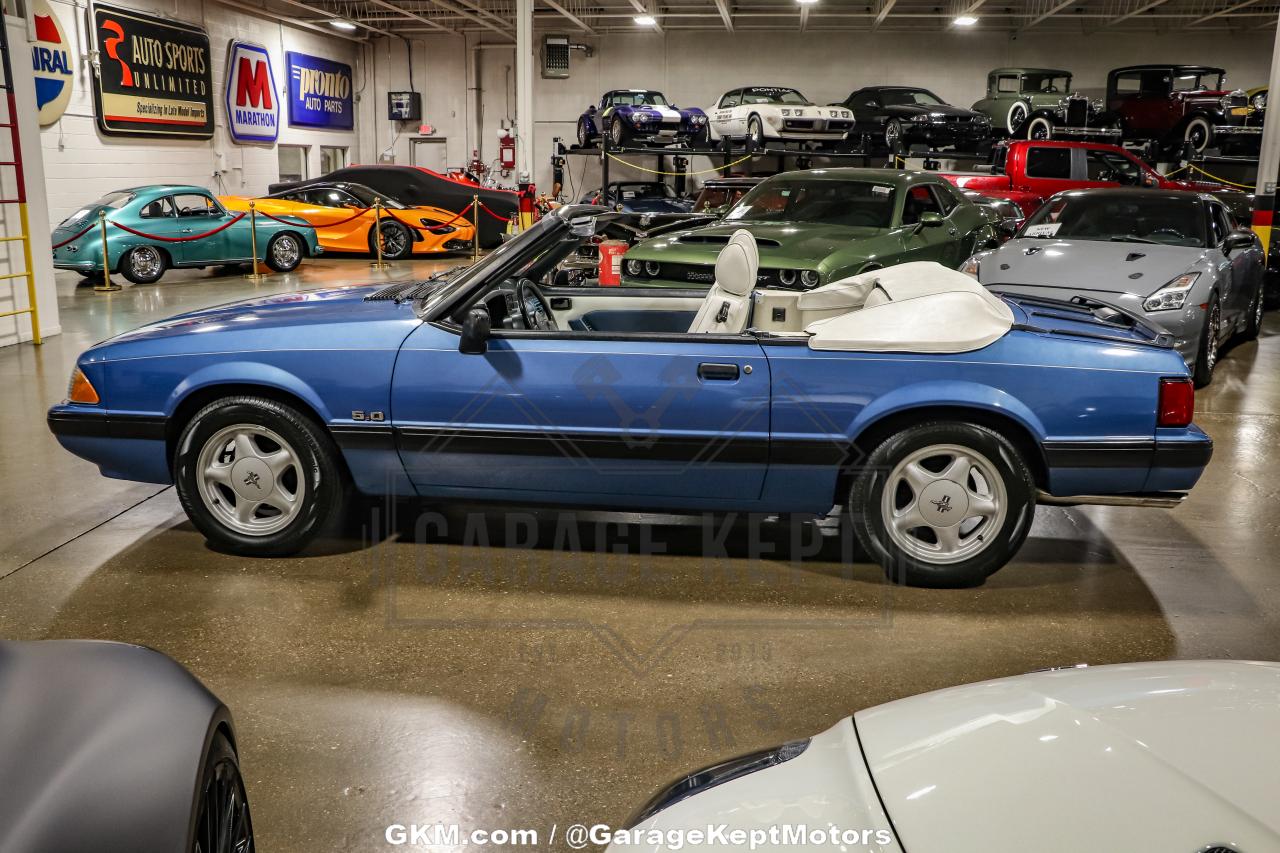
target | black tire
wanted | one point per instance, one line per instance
(1199, 132)
(284, 252)
(1210, 341)
(893, 133)
(221, 795)
(619, 134)
(397, 241)
(755, 132)
(584, 135)
(144, 264)
(317, 474)
(1253, 323)
(995, 456)
(1039, 128)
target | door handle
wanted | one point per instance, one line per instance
(709, 371)
(561, 303)
(185, 231)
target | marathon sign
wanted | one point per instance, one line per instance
(319, 93)
(253, 113)
(51, 64)
(154, 77)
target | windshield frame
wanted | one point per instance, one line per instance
(783, 91)
(890, 90)
(799, 179)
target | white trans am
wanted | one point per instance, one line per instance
(1178, 757)
(763, 113)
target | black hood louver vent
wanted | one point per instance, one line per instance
(403, 291)
(720, 240)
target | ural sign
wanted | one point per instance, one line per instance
(319, 93)
(154, 77)
(51, 64)
(253, 114)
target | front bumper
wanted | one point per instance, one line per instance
(123, 446)
(946, 134)
(1088, 132)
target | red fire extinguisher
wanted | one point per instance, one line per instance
(506, 150)
(611, 252)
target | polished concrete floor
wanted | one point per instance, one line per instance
(423, 669)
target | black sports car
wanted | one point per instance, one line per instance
(906, 116)
(116, 749)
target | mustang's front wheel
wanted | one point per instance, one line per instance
(943, 504)
(258, 477)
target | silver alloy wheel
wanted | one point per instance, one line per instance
(285, 251)
(1211, 337)
(944, 504)
(394, 240)
(616, 131)
(1258, 310)
(892, 133)
(755, 131)
(144, 262)
(582, 134)
(250, 479)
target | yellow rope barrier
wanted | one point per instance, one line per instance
(1220, 180)
(700, 172)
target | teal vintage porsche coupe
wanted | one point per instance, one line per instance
(155, 228)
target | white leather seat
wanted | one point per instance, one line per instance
(727, 306)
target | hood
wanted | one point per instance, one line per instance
(314, 319)
(780, 243)
(657, 205)
(905, 110)
(1175, 756)
(1087, 266)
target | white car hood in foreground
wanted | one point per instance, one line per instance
(1158, 757)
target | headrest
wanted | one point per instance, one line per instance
(738, 264)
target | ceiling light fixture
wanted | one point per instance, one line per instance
(645, 20)
(806, 2)
(965, 21)
(340, 24)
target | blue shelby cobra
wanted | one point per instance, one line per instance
(640, 115)
(933, 412)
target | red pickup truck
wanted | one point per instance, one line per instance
(1027, 172)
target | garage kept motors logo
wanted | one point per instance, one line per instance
(51, 64)
(253, 113)
(154, 77)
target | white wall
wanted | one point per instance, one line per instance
(13, 292)
(82, 163)
(694, 68)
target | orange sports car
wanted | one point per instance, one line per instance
(333, 209)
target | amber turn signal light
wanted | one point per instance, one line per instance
(81, 390)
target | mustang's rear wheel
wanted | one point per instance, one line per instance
(222, 824)
(258, 477)
(943, 504)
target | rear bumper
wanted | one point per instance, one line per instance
(1080, 470)
(123, 446)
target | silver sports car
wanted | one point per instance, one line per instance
(1174, 258)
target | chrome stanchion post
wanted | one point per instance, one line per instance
(377, 233)
(254, 275)
(475, 229)
(107, 286)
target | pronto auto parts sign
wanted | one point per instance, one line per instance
(51, 64)
(319, 92)
(154, 77)
(253, 113)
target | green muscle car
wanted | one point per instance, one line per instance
(820, 226)
(155, 228)
(1039, 103)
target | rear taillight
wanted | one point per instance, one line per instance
(1177, 403)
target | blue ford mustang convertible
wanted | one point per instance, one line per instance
(935, 413)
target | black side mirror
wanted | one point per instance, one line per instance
(1238, 240)
(475, 333)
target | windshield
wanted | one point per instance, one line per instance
(637, 99)
(111, 201)
(1046, 83)
(852, 203)
(1172, 221)
(717, 199)
(770, 95)
(1193, 81)
(645, 190)
(365, 196)
(909, 97)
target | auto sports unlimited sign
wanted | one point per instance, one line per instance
(253, 113)
(154, 77)
(51, 64)
(319, 92)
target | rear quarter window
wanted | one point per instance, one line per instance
(1045, 162)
